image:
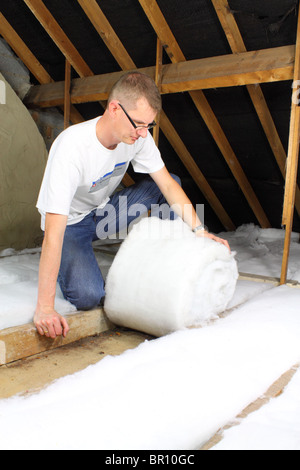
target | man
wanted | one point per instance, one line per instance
(85, 166)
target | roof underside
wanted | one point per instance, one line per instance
(263, 24)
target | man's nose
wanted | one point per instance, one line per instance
(142, 132)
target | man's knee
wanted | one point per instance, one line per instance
(88, 300)
(86, 297)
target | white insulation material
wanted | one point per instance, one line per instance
(174, 392)
(165, 278)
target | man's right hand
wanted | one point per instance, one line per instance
(50, 323)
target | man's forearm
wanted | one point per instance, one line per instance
(176, 197)
(48, 273)
(181, 204)
(47, 321)
(55, 226)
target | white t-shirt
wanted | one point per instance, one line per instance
(81, 174)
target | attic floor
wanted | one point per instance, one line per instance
(32, 374)
(35, 372)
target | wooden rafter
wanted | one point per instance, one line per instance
(103, 27)
(158, 78)
(237, 45)
(231, 70)
(30, 61)
(163, 31)
(108, 35)
(67, 103)
(58, 36)
(22, 51)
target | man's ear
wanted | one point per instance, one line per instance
(112, 108)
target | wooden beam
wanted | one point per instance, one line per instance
(218, 134)
(24, 341)
(59, 37)
(127, 180)
(290, 191)
(195, 172)
(67, 102)
(163, 31)
(267, 280)
(262, 66)
(22, 51)
(292, 163)
(274, 391)
(30, 61)
(237, 45)
(214, 72)
(159, 63)
(108, 35)
(158, 78)
(93, 10)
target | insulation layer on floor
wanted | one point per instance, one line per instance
(174, 392)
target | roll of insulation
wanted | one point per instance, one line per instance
(164, 278)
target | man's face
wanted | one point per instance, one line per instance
(142, 115)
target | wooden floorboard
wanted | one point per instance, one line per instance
(274, 391)
(24, 341)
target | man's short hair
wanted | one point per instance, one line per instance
(133, 86)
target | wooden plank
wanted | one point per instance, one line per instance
(295, 104)
(262, 66)
(30, 61)
(259, 278)
(59, 37)
(158, 79)
(220, 138)
(108, 35)
(67, 100)
(237, 45)
(290, 191)
(163, 31)
(62, 41)
(292, 164)
(214, 72)
(267, 280)
(24, 341)
(22, 51)
(195, 172)
(273, 391)
(127, 180)
(159, 60)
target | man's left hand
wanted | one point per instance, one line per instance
(204, 233)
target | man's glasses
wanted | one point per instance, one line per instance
(149, 126)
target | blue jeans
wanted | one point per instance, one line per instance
(80, 278)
